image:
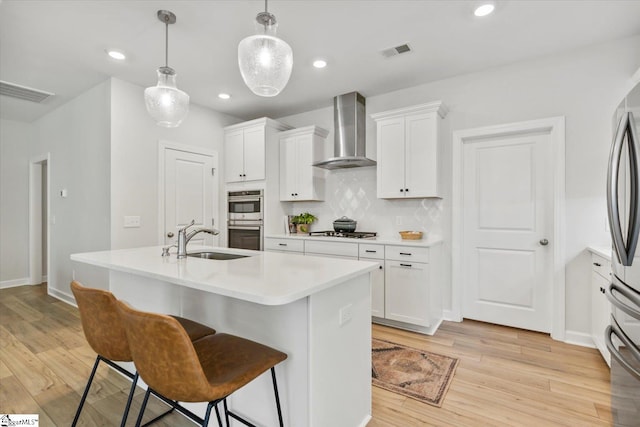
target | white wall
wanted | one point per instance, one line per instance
(15, 140)
(584, 86)
(134, 160)
(77, 136)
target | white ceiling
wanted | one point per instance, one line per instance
(59, 46)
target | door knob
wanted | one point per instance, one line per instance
(544, 242)
(170, 234)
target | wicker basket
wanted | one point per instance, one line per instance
(411, 235)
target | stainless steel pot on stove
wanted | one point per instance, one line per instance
(344, 225)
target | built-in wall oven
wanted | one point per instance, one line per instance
(245, 219)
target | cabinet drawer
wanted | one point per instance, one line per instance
(287, 245)
(601, 265)
(406, 253)
(331, 248)
(371, 251)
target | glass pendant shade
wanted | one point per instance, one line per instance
(265, 62)
(167, 104)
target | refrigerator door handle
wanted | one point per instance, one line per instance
(627, 292)
(625, 252)
(614, 329)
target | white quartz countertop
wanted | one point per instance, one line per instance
(266, 278)
(424, 242)
(603, 251)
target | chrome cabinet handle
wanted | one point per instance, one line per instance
(405, 253)
(170, 234)
(282, 244)
(370, 251)
(614, 329)
(544, 242)
(405, 265)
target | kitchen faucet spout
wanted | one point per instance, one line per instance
(184, 237)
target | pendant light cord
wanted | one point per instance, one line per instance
(166, 41)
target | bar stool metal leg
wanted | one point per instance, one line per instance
(86, 391)
(134, 382)
(143, 407)
(275, 390)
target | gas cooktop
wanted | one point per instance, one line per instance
(350, 235)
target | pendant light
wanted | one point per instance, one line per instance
(265, 60)
(167, 104)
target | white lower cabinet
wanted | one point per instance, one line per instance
(406, 292)
(377, 288)
(332, 249)
(375, 253)
(283, 245)
(405, 288)
(412, 293)
(600, 306)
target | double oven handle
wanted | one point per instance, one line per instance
(245, 198)
(624, 251)
(244, 227)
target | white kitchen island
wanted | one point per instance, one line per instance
(317, 310)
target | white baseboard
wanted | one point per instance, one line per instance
(578, 338)
(13, 283)
(365, 421)
(451, 316)
(62, 296)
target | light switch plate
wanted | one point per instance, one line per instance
(131, 221)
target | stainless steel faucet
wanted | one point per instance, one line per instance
(184, 237)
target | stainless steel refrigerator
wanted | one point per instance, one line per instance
(623, 199)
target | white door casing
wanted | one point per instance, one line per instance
(506, 274)
(188, 191)
(498, 224)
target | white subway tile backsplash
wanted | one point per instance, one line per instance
(352, 193)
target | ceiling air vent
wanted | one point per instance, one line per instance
(398, 50)
(22, 92)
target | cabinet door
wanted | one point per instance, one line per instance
(254, 160)
(377, 288)
(600, 313)
(305, 184)
(421, 155)
(233, 156)
(407, 292)
(288, 169)
(391, 158)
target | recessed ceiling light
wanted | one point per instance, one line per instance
(224, 96)
(484, 9)
(319, 63)
(117, 55)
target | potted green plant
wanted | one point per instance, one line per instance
(303, 221)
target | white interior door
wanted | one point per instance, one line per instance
(190, 193)
(507, 215)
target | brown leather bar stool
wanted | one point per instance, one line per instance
(106, 335)
(206, 370)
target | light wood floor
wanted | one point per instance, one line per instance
(506, 376)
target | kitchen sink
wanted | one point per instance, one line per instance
(215, 255)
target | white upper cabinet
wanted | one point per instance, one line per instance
(299, 149)
(409, 144)
(244, 148)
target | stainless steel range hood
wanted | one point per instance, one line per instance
(349, 133)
